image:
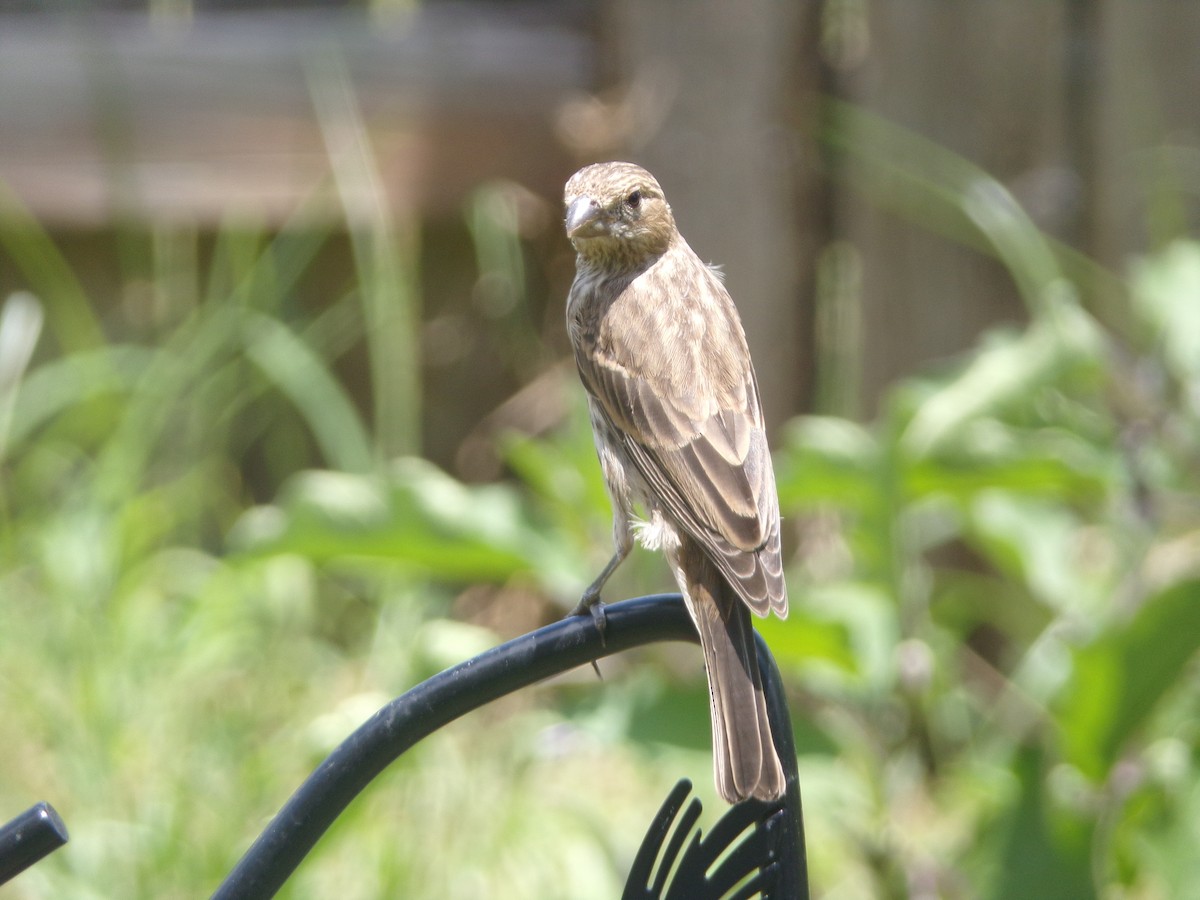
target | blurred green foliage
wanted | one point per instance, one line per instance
(996, 586)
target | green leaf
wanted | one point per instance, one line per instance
(1120, 678)
(306, 380)
(1050, 463)
(1045, 854)
(414, 517)
(64, 384)
(563, 471)
(1035, 541)
(1166, 829)
(825, 459)
(1166, 288)
(31, 250)
(807, 638)
(1006, 373)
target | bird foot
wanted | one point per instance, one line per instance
(591, 604)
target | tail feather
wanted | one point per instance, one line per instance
(744, 758)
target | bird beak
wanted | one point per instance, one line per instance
(585, 218)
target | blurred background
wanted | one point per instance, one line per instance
(288, 423)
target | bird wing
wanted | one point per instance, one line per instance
(693, 426)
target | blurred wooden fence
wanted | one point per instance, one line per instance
(1086, 110)
(1070, 104)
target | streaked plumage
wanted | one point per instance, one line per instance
(679, 430)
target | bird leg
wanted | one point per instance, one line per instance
(591, 597)
(590, 601)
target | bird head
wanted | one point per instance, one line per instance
(616, 212)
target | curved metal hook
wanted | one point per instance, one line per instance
(405, 721)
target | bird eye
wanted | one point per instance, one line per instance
(634, 200)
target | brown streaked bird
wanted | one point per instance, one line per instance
(679, 431)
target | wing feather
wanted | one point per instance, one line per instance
(693, 428)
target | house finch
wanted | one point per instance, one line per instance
(679, 430)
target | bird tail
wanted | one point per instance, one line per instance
(744, 759)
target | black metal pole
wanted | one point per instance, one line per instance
(793, 878)
(441, 699)
(27, 838)
(413, 716)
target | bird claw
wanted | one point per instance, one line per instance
(591, 604)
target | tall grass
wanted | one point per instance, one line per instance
(174, 657)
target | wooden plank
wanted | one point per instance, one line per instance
(984, 80)
(198, 120)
